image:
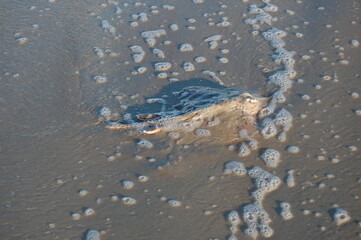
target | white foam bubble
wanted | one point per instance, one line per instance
(141, 70)
(143, 143)
(268, 128)
(271, 157)
(202, 132)
(22, 40)
(168, 7)
(260, 15)
(284, 119)
(285, 212)
(138, 53)
(174, 27)
(174, 203)
(162, 75)
(256, 218)
(264, 181)
(340, 216)
(223, 23)
(159, 53)
(99, 52)
(100, 79)
(223, 60)
(75, 216)
(89, 212)
(83, 192)
(233, 218)
(186, 47)
(127, 184)
(212, 38)
(200, 59)
(188, 67)
(290, 178)
(213, 44)
(129, 201)
(92, 235)
(214, 76)
(162, 66)
(107, 27)
(153, 33)
(213, 122)
(293, 149)
(143, 178)
(235, 168)
(174, 135)
(106, 113)
(355, 43)
(243, 150)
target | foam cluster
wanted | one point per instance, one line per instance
(234, 168)
(268, 128)
(234, 220)
(138, 53)
(271, 157)
(261, 15)
(282, 78)
(243, 150)
(151, 35)
(284, 119)
(143, 17)
(265, 182)
(245, 147)
(106, 113)
(213, 41)
(257, 221)
(285, 210)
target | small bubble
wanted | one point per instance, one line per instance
(89, 211)
(82, 193)
(174, 203)
(352, 148)
(306, 212)
(143, 178)
(292, 149)
(127, 184)
(129, 201)
(75, 216)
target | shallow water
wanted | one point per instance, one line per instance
(52, 145)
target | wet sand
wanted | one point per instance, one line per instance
(52, 145)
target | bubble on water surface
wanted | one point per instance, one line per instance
(92, 235)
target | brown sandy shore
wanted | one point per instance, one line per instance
(52, 147)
